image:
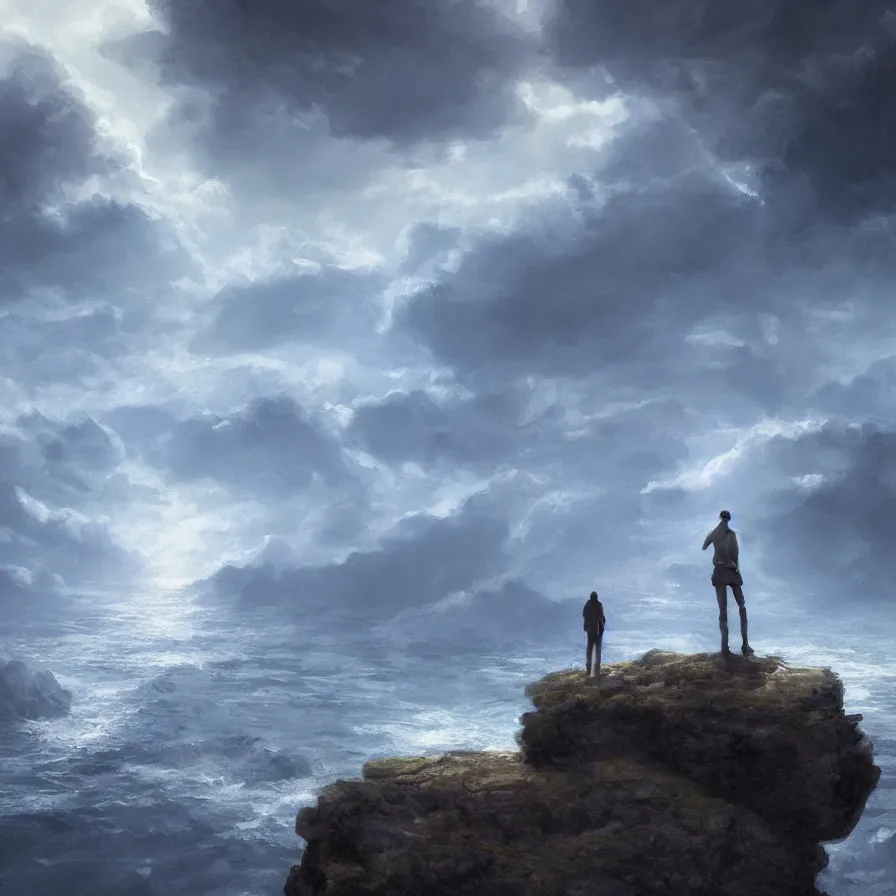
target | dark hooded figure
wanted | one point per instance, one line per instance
(594, 624)
(725, 573)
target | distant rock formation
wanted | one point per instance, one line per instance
(676, 775)
(29, 694)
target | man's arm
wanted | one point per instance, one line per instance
(735, 549)
(710, 539)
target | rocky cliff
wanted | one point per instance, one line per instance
(675, 775)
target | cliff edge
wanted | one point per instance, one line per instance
(676, 775)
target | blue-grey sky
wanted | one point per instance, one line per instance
(370, 306)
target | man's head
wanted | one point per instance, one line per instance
(725, 515)
(593, 595)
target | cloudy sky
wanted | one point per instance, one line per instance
(367, 306)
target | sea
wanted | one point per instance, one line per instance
(196, 734)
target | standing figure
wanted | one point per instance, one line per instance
(594, 624)
(726, 572)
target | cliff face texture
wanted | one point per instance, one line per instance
(676, 775)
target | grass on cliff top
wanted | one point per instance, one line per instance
(472, 773)
(492, 769)
(660, 677)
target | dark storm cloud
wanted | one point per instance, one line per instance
(577, 501)
(766, 40)
(85, 248)
(493, 618)
(143, 427)
(75, 453)
(868, 396)
(425, 560)
(830, 535)
(594, 535)
(757, 374)
(89, 249)
(49, 137)
(76, 348)
(624, 446)
(94, 328)
(635, 444)
(515, 610)
(268, 446)
(683, 239)
(622, 284)
(428, 242)
(414, 426)
(316, 307)
(404, 71)
(802, 89)
(50, 473)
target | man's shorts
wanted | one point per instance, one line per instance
(724, 575)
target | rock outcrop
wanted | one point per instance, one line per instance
(675, 775)
(29, 694)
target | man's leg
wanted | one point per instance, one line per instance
(588, 650)
(746, 650)
(598, 642)
(722, 598)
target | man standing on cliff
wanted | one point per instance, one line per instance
(725, 572)
(594, 624)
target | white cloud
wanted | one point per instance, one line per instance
(706, 474)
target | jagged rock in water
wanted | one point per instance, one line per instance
(29, 694)
(676, 775)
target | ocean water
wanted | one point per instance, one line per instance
(194, 738)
